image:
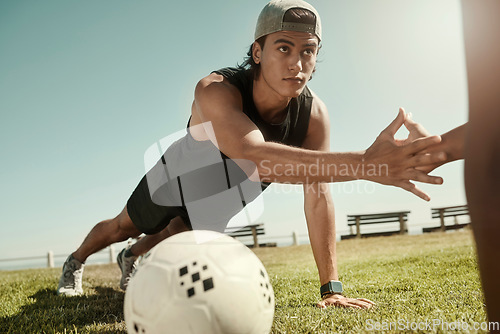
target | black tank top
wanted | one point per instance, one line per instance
(292, 131)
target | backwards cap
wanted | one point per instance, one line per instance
(271, 18)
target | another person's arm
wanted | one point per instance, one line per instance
(452, 142)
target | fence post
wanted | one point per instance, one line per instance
(358, 229)
(112, 255)
(50, 259)
(295, 238)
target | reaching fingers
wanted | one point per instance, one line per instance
(422, 144)
(419, 176)
(400, 142)
(392, 128)
(409, 123)
(428, 169)
(426, 159)
(409, 119)
(408, 186)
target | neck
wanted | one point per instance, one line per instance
(270, 105)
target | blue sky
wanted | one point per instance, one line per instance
(87, 86)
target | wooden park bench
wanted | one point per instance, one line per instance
(400, 217)
(247, 231)
(449, 211)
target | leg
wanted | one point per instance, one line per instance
(175, 226)
(106, 233)
(103, 234)
(127, 258)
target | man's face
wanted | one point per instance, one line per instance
(287, 61)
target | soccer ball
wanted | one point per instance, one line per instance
(187, 286)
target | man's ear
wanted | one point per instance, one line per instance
(256, 52)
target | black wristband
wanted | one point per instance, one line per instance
(333, 287)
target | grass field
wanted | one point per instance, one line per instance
(413, 280)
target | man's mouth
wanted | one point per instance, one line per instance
(294, 79)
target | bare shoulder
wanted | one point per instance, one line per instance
(318, 132)
(319, 111)
(215, 87)
(215, 99)
(218, 108)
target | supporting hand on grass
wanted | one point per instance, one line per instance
(341, 301)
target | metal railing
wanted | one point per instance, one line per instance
(51, 256)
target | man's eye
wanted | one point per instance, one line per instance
(309, 52)
(283, 48)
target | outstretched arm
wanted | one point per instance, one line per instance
(219, 103)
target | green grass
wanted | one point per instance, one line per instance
(411, 278)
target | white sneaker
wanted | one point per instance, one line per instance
(127, 265)
(70, 283)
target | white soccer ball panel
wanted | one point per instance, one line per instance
(217, 286)
(152, 281)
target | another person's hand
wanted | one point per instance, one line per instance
(415, 130)
(452, 142)
(341, 301)
(395, 162)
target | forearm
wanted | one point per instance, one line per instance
(452, 143)
(285, 164)
(320, 218)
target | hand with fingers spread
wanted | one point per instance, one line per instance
(339, 300)
(415, 130)
(395, 162)
(452, 142)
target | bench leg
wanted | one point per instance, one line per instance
(441, 216)
(358, 229)
(402, 227)
(255, 241)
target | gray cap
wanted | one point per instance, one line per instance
(271, 19)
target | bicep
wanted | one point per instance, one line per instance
(219, 105)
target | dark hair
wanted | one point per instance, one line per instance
(293, 15)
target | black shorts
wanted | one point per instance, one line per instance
(194, 181)
(151, 218)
